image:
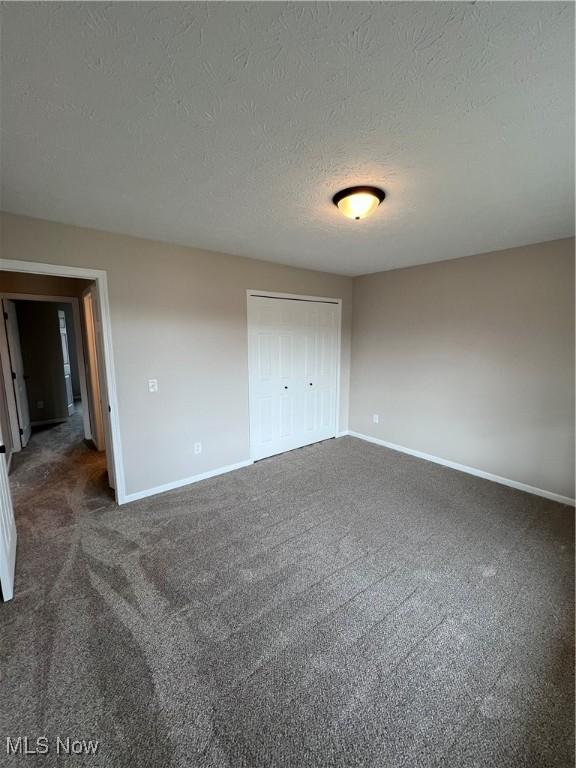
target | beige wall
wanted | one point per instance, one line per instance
(472, 360)
(178, 315)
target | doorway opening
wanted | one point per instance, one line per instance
(58, 442)
(52, 367)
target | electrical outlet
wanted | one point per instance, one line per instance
(197, 447)
(376, 418)
(152, 385)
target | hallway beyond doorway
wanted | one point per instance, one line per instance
(56, 478)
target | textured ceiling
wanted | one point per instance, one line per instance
(229, 126)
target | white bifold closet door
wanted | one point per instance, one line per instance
(293, 366)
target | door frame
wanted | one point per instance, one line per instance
(299, 297)
(100, 278)
(6, 362)
(92, 373)
(79, 346)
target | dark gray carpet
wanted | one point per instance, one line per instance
(341, 605)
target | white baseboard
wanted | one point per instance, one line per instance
(393, 446)
(127, 498)
(469, 470)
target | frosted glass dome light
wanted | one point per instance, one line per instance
(358, 202)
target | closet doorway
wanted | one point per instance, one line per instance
(294, 365)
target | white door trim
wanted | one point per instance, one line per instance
(101, 279)
(300, 297)
(79, 347)
(295, 296)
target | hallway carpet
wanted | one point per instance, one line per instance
(341, 605)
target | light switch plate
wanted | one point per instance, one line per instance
(152, 385)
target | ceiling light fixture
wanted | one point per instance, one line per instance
(358, 202)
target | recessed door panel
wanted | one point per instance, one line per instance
(325, 408)
(286, 355)
(265, 419)
(286, 416)
(310, 411)
(265, 356)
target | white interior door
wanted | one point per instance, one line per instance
(17, 372)
(7, 529)
(102, 385)
(66, 362)
(293, 373)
